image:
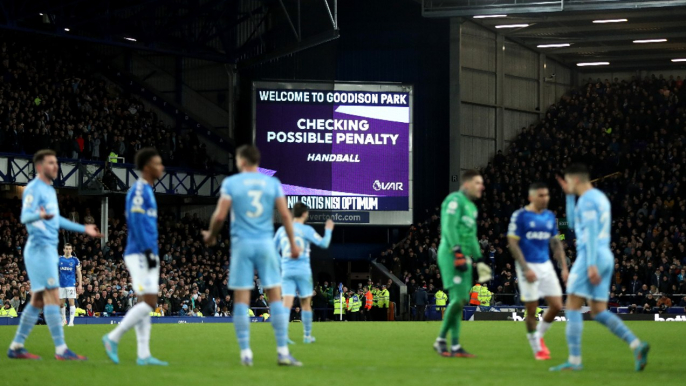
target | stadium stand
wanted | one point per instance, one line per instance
(51, 98)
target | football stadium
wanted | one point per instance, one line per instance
(324, 192)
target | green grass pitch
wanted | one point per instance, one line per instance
(360, 353)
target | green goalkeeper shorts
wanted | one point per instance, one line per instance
(456, 282)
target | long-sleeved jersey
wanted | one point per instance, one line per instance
(141, 219)
(39, 195)
(304, 236)
(458, 225)
(592, 221)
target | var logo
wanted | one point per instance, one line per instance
(678, 318)
(387, 185)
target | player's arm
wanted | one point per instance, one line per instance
(90, 229)
(450, 215)
(277, 240)
(515, 231)
(322, 242)
(590, 218)
(282, 208)
(219, 216)
(79, 277)
(31, 211)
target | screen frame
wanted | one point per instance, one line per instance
(386, 218)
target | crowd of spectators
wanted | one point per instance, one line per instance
(632, 135)
(51, 98)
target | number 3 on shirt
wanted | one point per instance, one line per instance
(256, 195)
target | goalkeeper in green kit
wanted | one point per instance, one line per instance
(459, 245)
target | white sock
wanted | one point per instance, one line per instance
(64, 314)
(542, 328)
(72, 313)
(440, 340)
(59, 350)
(283, 351)
(16, 346)
(534, 341)
(634, 344)
(574, 360)
(247, 353)
(143, 336)
(132, 318)
(456, 347)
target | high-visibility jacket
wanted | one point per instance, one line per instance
(474, 295)
(369, 300)
(484, 296)
(375, 298)
(265, 316)
(441, 299)
(338, 305)
(384, 299)
(251, 313)
(8, 313)
(80, 311)
(538, 311)
(113, 157)
(354, 304)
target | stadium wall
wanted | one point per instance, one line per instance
(497, 87)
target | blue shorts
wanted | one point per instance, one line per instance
(300, 283)
(41, 266)
(248, 256)
(579, 285)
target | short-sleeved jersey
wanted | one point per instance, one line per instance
(252, 198)
(38, 194)
(304, 236)
(141, 219)
(67, 267)
(533, 230)
(592, 222)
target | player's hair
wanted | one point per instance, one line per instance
(67, 245)
(299, 209)
(249, 153)
(144, 156)
(41, 154)
(579, 170)
(537, 185)
(469, 174)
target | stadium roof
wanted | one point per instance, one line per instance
(651, 37)
(243, 32)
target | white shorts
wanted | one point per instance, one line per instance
(145, 281)
(68, 293)
(546, 283)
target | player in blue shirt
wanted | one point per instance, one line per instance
(296, 274)
(141, 259)
(251, 197)
(531, 234)
(591, 274)
(41, 215)
(70, 270)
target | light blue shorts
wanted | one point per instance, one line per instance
(249, 256)
(579, 285)
(41, 265)
(297, 283)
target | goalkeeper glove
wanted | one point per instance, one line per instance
(152, 262)
(460, 259)
(484, 271)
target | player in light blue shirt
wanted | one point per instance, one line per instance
(70, 270)
(141, 259)
(531, 234)
(251, 198)
(591, 274)
(41, 215)
(297, 273)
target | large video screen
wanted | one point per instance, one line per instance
(339, 148)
